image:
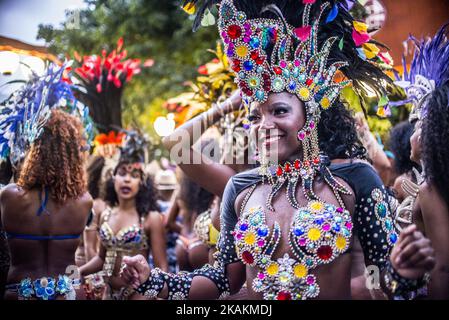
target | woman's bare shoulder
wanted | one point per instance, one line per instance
(99, 206)
(86, 198)
(11, 192)
(430, 197)
(154, 220)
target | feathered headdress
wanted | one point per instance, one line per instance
(135, 149)
(276, 45)
(107, 145)
(429, 69)
(24, 114)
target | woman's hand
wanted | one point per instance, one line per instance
(413, 255)
(135, 270)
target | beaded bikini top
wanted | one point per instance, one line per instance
(129, 238)
(319, 233)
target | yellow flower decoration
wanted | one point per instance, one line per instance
(340, 243)
(316, 206)
(360, 27)
(272, 269)
(300, 271)
(189, 8)
(314, 234)
(370, 50)
(250, 238)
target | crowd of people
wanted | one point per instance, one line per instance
(301, 209)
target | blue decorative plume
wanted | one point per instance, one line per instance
(24, 114)
(429, 69)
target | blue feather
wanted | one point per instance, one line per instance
(332, 14)
(24, 114)
(430, 60)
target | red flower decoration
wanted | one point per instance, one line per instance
(112, 67)
(110, 138)
(202, 70)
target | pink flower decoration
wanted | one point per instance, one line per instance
(303, 33)
(360, 38)
(308, 1)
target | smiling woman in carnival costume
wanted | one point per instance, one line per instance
(287, 228)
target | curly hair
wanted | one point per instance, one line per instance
(400, 146)
(434, 136)
(337, 134)
(146, 198)
(94, 170)
(55, 160)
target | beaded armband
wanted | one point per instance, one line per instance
(178, 285)
(153, 286)
(400, 286)
(217, 276)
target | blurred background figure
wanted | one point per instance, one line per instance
(166, 185)
(403, 166)
(190, 202)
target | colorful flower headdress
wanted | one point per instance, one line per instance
(107, 145)
(24, 114)
(429, 69)
(135, 152)
(301, 70)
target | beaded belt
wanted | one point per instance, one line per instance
(45, 288)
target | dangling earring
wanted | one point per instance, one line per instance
(311, 159)
(264, 169)
(316, 163)
(304, 170)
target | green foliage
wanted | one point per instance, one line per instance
(155, 29)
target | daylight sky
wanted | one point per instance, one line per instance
(19, 19)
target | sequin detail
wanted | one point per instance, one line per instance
(319, 234)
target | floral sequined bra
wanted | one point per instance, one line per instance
(320, 232)
(127, 240)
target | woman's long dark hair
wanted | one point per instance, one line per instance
(337, 134)
(6, 172)
(400, 146)
(146, 198)
(434, 139)
(196, 199)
